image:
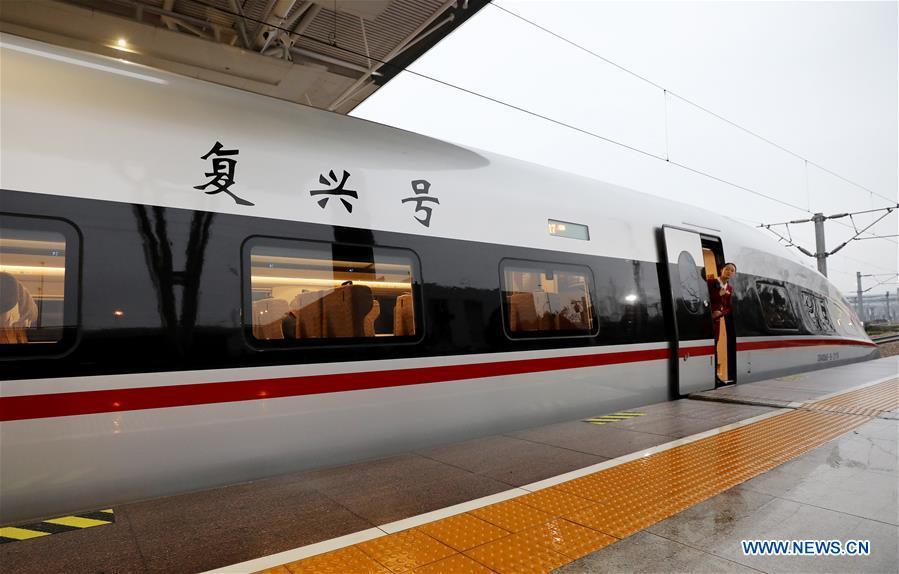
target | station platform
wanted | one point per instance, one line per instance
(669, 487)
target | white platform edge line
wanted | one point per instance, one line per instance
(555, 480)
(441, 513)
(849, 390)
(274, 560)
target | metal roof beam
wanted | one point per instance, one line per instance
(241, 25)
(411, 38)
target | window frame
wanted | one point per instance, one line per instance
(543, 335)
(333, 342)
(71, 306)
(796, 320)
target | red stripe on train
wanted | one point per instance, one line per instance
(783, 344)
(89, 402)
(114, 400)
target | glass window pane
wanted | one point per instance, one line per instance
(776, 307)
(32, 286)
(307, 291)
(545, 299)
(569, 230)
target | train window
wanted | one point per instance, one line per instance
(816, 313)
(547, 299)
(846, 319)
(569, 230)
(776, 307)
(693, 289)
(314, 293)
(37, 282)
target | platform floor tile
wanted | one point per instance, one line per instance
(511, 515)
(516, 554)
(349, 560)
(463, 531)
(568, 538)
(456, 564)
(406, 550)
(555, 502)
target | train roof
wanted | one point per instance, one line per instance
(96, 127)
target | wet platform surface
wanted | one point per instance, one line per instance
(845, 489)
(791, 390)
(212, 529)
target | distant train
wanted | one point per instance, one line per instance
(204, 286)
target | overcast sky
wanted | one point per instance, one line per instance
(818, 78)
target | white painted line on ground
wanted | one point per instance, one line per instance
(555, 480)
(435, 515)
(295, 554)
(844, 391)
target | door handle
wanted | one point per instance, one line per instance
(686, 356)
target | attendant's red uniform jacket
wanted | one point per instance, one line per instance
(718, 301)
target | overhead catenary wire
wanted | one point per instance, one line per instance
(686, 100)
(890, 278)
(520, 109)
(858, 232)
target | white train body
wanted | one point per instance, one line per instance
(130, 399)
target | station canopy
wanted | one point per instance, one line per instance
(331, 54)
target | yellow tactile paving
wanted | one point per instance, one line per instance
(348, 560)
(456, 564)
(511, 515)
(554, 502)
(406, 550)
(568, 538)
(515, 554)
(870, 401)
(541, 531)
(463, 531)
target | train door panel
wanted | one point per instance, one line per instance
(693, 338)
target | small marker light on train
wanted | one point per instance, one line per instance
(118, 313)
(630, 298)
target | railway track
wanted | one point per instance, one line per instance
(885, 339)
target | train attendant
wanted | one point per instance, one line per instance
(720, 294)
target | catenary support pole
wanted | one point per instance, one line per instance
(860, 305)
(820, 248)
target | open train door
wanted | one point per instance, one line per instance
(694, 345)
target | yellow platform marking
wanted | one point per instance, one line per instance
(869, 401)
(405, 551)
(56, 525)
(76, 521)
(544, 530)
(455, 564)
(20, 533)
(614, 417)
(463, 531)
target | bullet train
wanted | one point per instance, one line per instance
(202, 286)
